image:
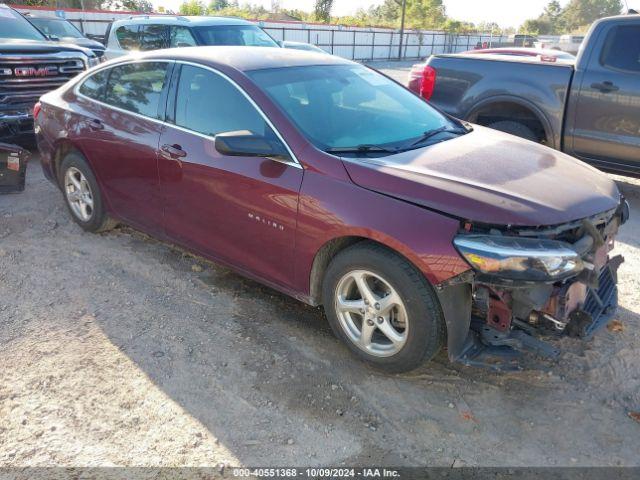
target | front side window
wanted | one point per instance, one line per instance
(94, 86)
(622, 49)
(137, 87)
(154, 37)
(128, 37)
(350, 106)
(207, 103)
(181, 37)
(14, 26)
(244, 35)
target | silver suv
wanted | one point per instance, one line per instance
(149, 32)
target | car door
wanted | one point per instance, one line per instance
(119, 134)
(241, 210)
(607, 113)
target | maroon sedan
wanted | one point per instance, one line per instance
(331, 183)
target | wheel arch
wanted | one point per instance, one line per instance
(334, 246)
(61, 148)
(518, 104)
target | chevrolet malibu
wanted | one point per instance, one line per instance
(331, 183)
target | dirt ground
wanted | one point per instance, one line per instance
(116, 349)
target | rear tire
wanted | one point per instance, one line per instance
(515, 128)
(82, 194)
(395, 338)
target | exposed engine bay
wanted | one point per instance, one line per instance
(529, 285)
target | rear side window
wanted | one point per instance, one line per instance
(622, 49)
(181, 37)
(207, 103)
(94, 86)
(128, 37)
(137, 87)
(154, 37)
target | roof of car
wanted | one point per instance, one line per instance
(246, 58)
(181, 20)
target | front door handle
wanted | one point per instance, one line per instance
(95, 124)
(605, 87)
(172, 152)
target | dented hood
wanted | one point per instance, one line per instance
(490, 177)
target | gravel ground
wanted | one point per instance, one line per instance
(117, 349)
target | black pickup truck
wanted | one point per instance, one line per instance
(30, 66)
(589, 108)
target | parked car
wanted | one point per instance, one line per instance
(566, 43)
(544, 55)
(61, 30)
(332, 183)
(152, 32)
(309, 47)
(590, 109)
(30, 65)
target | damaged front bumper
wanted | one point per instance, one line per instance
(491, 321)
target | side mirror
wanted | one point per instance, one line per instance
(246, 144)
(53, 38)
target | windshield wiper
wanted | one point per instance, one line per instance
(432, 133)
(364, 148)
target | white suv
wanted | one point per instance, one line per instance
(149, 32)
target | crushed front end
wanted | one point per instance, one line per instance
(529, 285)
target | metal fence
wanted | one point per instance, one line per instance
(355, 43)
(379, 44)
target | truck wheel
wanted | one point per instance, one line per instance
(382, 308)
(82, 194)
(514, 128)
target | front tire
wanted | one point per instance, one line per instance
(383, 308)
(82, 194)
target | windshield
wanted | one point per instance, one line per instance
(245, 35)
(56, 28)
(352, 107)
(14, 26)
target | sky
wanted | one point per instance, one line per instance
(507, 13)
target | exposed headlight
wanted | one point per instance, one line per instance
(93, 61)
(517, 258)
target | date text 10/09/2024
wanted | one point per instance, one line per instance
(316, 472)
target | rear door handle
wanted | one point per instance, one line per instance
(172, 151)
(95, 124)
(605, 87)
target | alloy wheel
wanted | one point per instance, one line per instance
(79, 194)
(371, 313)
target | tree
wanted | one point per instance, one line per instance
(130, 5)
(192, 7)
(322, 10)
(216, 5)
(538, 26)
(581, 13)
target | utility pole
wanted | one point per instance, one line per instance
(404, 9)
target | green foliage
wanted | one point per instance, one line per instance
(192, 7)
(322, 10)
(577, 15)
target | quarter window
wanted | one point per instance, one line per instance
(93, 87)
(622, 49)
(181, 37)
(207, 103)
(128, 37)
(154, 37)
(137, 87)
